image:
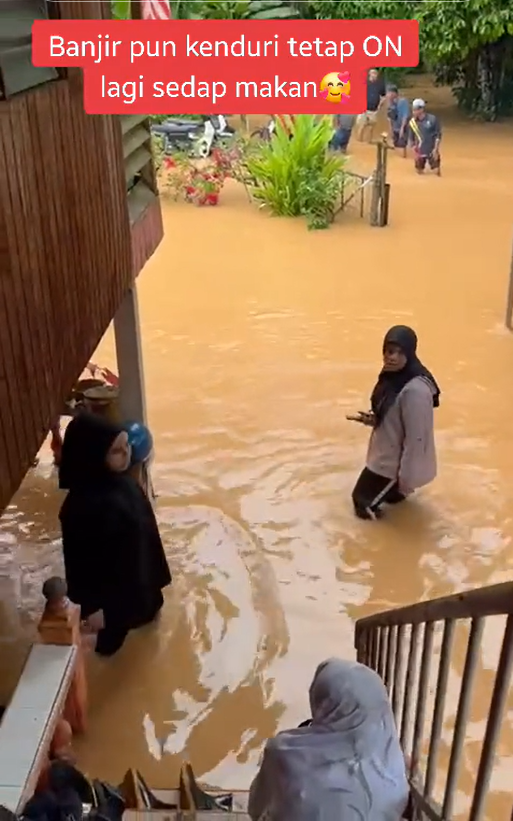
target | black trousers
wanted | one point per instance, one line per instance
(371, 491)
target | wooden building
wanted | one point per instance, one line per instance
(79, 218)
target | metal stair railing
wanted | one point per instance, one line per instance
(399, 645)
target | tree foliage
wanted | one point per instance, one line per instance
(120, 9)
(468, 44)
(234, 10)
(448, 31)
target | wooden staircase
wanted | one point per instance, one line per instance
(414, 649)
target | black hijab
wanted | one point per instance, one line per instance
(390, 383)
(113, 553)
(87, 441)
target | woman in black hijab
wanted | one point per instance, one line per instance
(401, 455)
(113, 553)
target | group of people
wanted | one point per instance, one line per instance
(408, 125)
(115, 563)
(346, 759)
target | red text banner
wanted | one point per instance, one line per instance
(225, 66)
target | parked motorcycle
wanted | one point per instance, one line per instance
(196, 137)
(265, 133)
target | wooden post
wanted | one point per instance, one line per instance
(386, 203)
(60, 624)
(383, 184)
(509, 303)
(376, 186)
(127, 332)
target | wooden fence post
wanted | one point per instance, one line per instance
(509, 302)
(379, 202)
(383, 209)
(60, 624)
(376, 187)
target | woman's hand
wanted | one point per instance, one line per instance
(363, 418)
(95, 622)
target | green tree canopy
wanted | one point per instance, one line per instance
(468, 44)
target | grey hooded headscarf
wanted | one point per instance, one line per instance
(347, 764)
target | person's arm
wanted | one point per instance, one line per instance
(417, 416)
(438, 136)
(412, 137)
(80, 565)
(363, 417)
(405, 117)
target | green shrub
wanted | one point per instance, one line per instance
(295, 175)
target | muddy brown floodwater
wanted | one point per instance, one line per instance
(259, 337)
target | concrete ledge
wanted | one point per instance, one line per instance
(29, 721)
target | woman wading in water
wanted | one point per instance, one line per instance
(115, 563)
(401, 455)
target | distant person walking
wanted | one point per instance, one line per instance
(401, 456)
(398, 111)
(425, 135)
(376, 95)
(343, 125)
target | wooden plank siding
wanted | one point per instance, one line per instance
(147, 233)
(68, 252)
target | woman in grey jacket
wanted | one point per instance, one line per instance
(401, 456)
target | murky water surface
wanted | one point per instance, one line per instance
(258, 338)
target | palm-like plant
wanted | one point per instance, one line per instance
(294, 174)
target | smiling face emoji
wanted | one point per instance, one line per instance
(335, 87)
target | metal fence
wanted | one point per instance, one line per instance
(356, 193)
(399, 645)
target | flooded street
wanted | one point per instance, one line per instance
(259, 337)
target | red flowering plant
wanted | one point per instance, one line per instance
(197, 181)
(200, 181)
(203, 185)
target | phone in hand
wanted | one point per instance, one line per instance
(363, 417)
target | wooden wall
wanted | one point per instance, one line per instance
(66, 254)
(147, 233)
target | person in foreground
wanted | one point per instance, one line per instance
(401, 456)
(346, 764)
(115, 563)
